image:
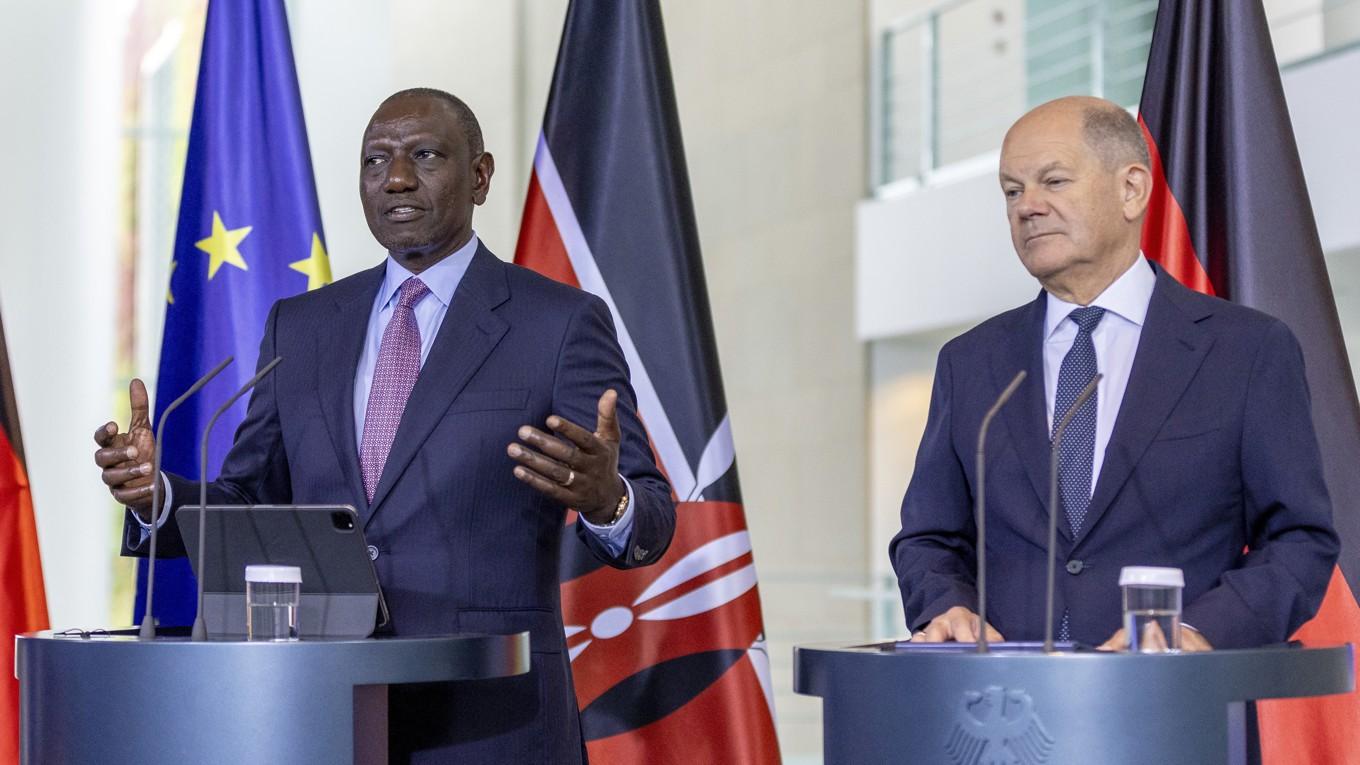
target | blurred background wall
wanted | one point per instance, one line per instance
(842, 157)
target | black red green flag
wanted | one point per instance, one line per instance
(1230, 216)
(670, 658)
(23, 603)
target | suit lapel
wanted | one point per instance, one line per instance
(1171, 348)
(1026, 415)
(336, 373)
(466, 337)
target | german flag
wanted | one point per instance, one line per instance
(23, 604)
(1230, 216)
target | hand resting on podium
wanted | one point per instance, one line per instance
(960, 624)
(1191, 640)
(957, 624)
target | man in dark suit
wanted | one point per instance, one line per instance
(1198, 444)
(402, 391)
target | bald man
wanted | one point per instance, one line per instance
(1197, 446)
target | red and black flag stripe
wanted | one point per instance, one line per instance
(1231, 217)
(23, 603)
(669, 658)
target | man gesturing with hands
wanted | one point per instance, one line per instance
(415, 392)
(579, 469)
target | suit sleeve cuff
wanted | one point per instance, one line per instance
(144, 528)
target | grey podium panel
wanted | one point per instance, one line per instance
(887, 705)
(119, 700)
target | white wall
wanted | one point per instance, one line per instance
(1324, 105)
(57, 265)
(935, 257)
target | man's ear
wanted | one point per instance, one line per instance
(483, 167)
(1136, 190)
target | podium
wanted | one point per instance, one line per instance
(115, 699)
(884, 704)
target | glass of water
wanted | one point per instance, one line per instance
(272, 597)
(1152, 608)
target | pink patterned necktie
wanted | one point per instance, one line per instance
(393, 378)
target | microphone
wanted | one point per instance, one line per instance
(980, 508)
(148, 627)
(1071, 412)
(200, 631)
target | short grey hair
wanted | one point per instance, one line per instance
(1115, 136)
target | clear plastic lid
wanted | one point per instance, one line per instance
(274, 574)
(1150, 576)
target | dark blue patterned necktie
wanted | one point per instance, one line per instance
(1076, 454)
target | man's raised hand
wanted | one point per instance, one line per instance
(576, 467)
(126, 457)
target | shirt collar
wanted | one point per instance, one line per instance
(1127, 297)
(442, 278)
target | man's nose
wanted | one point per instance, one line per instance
(1030, 204)
(400, 176)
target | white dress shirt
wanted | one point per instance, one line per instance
(1115, 339)
(442, 278)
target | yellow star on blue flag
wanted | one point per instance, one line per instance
(222, 246)
(316, 266)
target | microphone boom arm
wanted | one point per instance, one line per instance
(980, 507)
(1071, 412)
(200, 630)
(147, 631)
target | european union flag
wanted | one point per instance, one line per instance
(249, 233)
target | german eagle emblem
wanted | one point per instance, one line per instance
(998, 727)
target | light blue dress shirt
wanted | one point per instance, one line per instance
(1115, 339)
(442, 278)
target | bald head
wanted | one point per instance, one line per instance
(1108, 129)
(1075, 176)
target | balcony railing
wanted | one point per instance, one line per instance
(948, 81)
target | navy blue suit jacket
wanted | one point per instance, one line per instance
(1213, 452)
(463, 545)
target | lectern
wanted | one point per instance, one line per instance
(885, 704)
(115, 699)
